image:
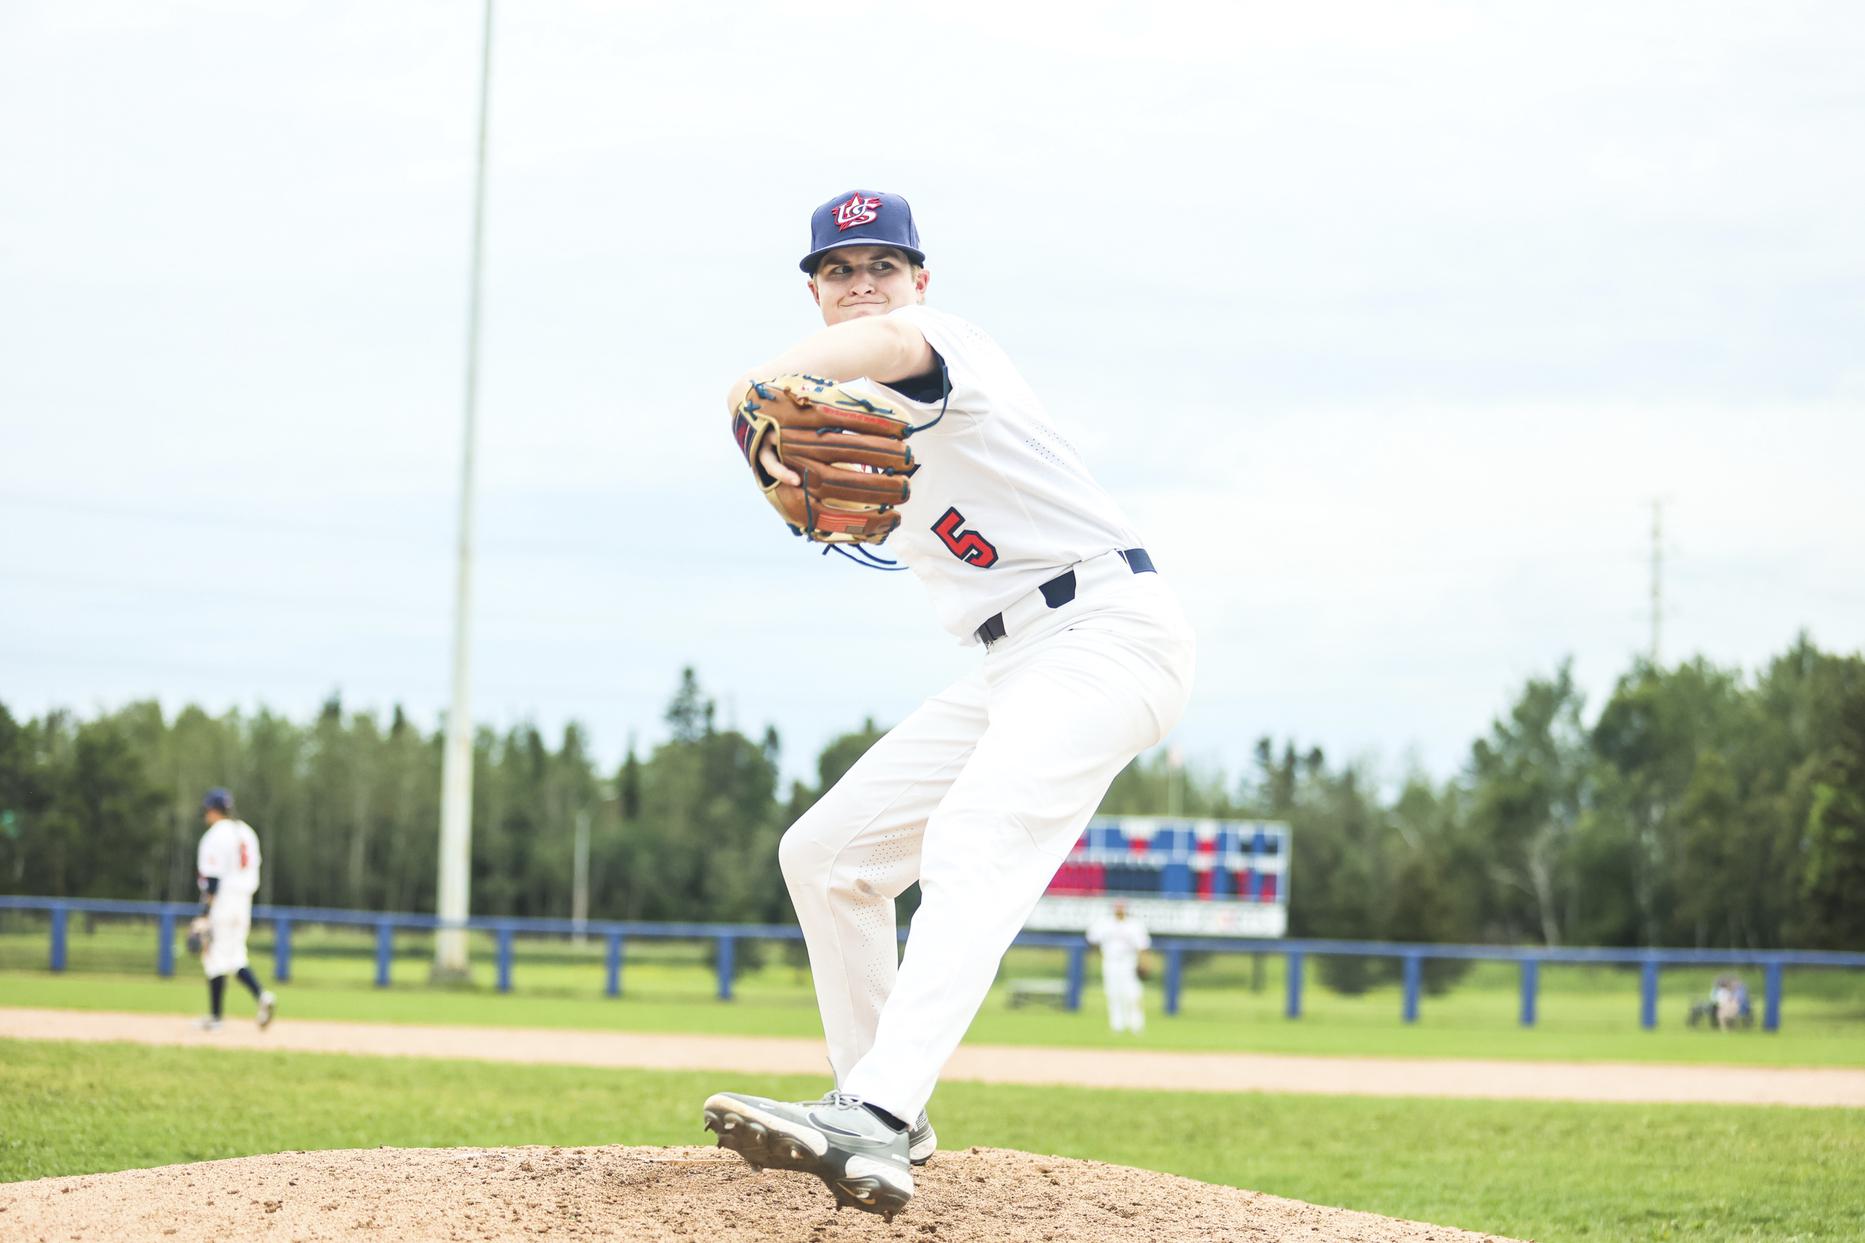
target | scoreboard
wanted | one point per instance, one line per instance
(1176, 875)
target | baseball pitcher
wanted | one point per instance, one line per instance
(904, 437)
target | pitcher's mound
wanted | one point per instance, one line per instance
(658, 1195)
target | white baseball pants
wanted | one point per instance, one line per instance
(231, 918)
(1125, 994)
(979, 795)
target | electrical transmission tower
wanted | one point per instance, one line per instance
(1657, 578)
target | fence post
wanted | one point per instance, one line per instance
(1077, 968)
(505, 960)
(1771, 1005)
(1648, 995)
(165, 944)
(1413, 976)
(1294, 1008)
(614, 986)
(1531, 983)
(59, 912)
(1175, 967)
(281, 949)
(385, 949)
(727, 946)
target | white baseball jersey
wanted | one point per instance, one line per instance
(1121, 941)
(229, 852)
(1002, 502)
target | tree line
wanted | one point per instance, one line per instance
(1700, 806)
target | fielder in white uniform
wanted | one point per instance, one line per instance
(1121, 940)
(227, 864)
(979, 794)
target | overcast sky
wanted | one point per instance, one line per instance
(1386, 322)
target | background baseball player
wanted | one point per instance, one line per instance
(979, 794)
(227, 864)
(1121, 940)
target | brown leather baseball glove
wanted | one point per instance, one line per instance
(200, 934)
(850, 452)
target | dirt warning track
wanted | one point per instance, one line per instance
(1656, 1083)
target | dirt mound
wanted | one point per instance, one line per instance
(657, 1195)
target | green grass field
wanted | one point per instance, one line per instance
(1544, 1171)
(1538, 1170)
(1586, 1013)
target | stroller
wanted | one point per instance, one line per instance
(1726, 1007)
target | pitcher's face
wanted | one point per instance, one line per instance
(853, 281)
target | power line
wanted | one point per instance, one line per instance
(241, 523)
(380, 535)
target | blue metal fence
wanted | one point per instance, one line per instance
(725, 938)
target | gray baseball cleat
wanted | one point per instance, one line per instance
(921, 1142)
(207, 1023)
(862, 1159)
(268, 1004)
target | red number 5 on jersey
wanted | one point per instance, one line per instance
(965, 545)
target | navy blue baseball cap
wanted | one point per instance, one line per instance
(861, 218)
(217, 799)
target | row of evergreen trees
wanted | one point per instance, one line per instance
(1699, 807)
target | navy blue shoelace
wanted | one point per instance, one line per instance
(863, 558)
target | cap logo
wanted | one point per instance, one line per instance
(856, 211)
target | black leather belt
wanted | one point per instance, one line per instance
(1059, 590)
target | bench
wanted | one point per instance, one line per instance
(1038, 992)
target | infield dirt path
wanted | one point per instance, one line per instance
(1102, 1068)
